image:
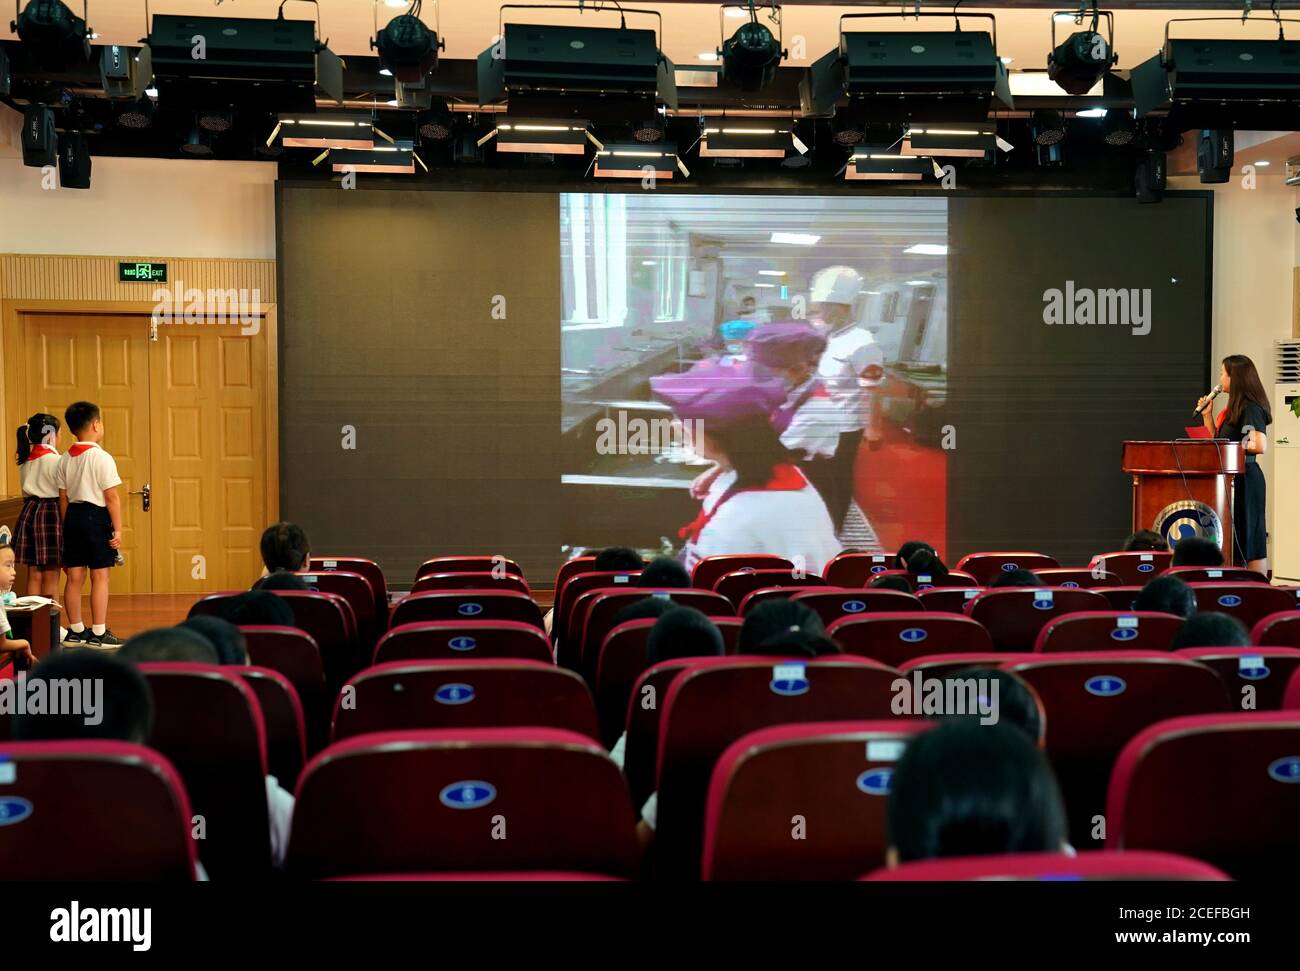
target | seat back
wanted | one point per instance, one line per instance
(90, 810)
(1281, 628)
(408, 695)
(708, 570)
(1095, 702)
(928, 581)
(367, 568)
(831, 604)
(574, 587)
(764, 594)
(1088, 865)
(286, 731)
(942, 665)
(294, 654)
(208, 724)
(1256, 677)
(1215, 574)
(1108, 630)
(1248, 602)
(1078, 577)
(484, 603)
(833, 777)
(734, 586)
(896, 637)
(1221, 788)
(1134, 568)
(463, 800)
(598, 619)
(1015, 615)
(987, 567)
(948, 599)
(448, 640)
(468, 564)
(469, 581)
(1120, 598)
(579, 564)
(856, 569)
(712, 703)
(358, 592)
(327, 617)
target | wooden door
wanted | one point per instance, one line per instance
(209, 463)
(102, 358)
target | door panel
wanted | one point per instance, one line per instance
(102, 358)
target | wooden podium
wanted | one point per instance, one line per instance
(1184, 488)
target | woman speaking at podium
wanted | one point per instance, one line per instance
(1244, 420)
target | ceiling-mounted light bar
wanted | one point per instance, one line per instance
(634, 160)
(953, 142)
(867, 164)
(334, 130)
(541, 135)
(749, 142)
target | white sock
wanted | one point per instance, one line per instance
(98, 629)
(63, 632)
(78, 627)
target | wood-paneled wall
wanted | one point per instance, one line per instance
(94, 278)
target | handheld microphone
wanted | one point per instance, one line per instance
(1214, 393)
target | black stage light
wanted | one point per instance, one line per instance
(4, 72)
(1118, 127)
(650, 130)
(435, 124)
(407, 47)
(215, 121)
(1151, 176)
(74, 161)
(752, 54)
(1050, 156)
(40, 141)
(198, 143)
(136, 114)
(1047, 126)
(1080, 61)
(1214, 155)
(53, 32)
(125, 72)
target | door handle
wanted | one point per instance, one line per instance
(146, 493)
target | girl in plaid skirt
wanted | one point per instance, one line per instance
(38, 534)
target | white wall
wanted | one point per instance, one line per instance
(138, 207)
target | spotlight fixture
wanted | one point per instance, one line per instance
(636, 161)
(54, 34)
(74, 161)
(435, 124)
(955, 142)
(4, 73)
(649, 131)
(1214, 155)
(1118, 127)
(407, 47)
(749, 142)
(1049, 156)
(1047, 127)
(880, 165)
(1080, 61)
(136, 114)
(333, 129)
(198, 143)
(125, 72)
(1151, 176)
(752, 54)
(845, 132)
(215, 121)
(40, 141)
(541, 136)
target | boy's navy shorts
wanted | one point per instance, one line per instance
(87, 531)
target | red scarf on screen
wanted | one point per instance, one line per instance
(785, 478)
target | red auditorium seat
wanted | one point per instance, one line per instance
(468, 564)
(90, 810)
(644, 708)
(1221, 788)
(515, 876)
(469, 581)
(1088, 865)
(579, 564)
(987, 567)
(420, 801)
(1096, 701)
(481, 604)
(712, 703)
(707, 572)
(925, 581)
(286, 731)
(856, 569)
(598, 619)
(357, 591)
(833, 604)
(831, 776)
(407, 695)
(1282, 628)
(1139, 567)
(1215, 574)
(1078, 577)
(1108, 630)
(942, 665)
(1266, 669)
(294, 654)
(1120, 598)
(1015, 615)
(574, 587)
(448, 640)
(1248, 602)
(895, 637)
(368, 569)
(208, 724)
(756, 597)
(735, 586)
(951, 600)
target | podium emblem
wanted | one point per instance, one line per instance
(1185, 518)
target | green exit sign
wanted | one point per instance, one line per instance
(141, 272)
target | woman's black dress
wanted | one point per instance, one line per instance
(1250, 533)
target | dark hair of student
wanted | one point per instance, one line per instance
(281, 580)
(1197, 551)
(966, 789)
(926, 562)
(255, 607)
(168, 644)
(753, 448)
(285, 547)
(126, 705)
(683, 632)
(906, 551)
(1018, 703)
(664, 571)
(33, 432)
(1145, 540)
(79, 415)
(1211, 629)
(1168, 595)
(890, 581)
(617, 558)
(784, 628)
(642, 609)
(1017, 578)
(1245, 388)
(225, 637)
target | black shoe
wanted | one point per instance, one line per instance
(103, 642)
(77, 638)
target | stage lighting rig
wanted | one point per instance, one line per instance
(55, 35)
(752, 54)
(1083, 58)
(408, 48)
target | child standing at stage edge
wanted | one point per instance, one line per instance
(38, 534)
(92, 524)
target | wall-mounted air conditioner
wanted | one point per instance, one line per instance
(1285, 438)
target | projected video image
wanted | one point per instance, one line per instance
(749, 373)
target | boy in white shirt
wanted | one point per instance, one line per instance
(92, 524)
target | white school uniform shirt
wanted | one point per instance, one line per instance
(279, 804)
(39, 475)
(85, 471)
(814, 430)
(849, 351)
(789, 522)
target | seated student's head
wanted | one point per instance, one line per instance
(168, 644)
(1211, 629)
(84, 421)
(229, 642)
(926, 562)
(664, 571)
(281, 580)
(1017, 578)
(125, 702)
(890, 581)
(1017, 702)
(255, 607)
(907, 550)
(642, 609)
(617, 558)
(784, 628)
(1197, 551)
(1145, 540)
(1168, 595)
(683, 632)
(966, 789)
(285, 547)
